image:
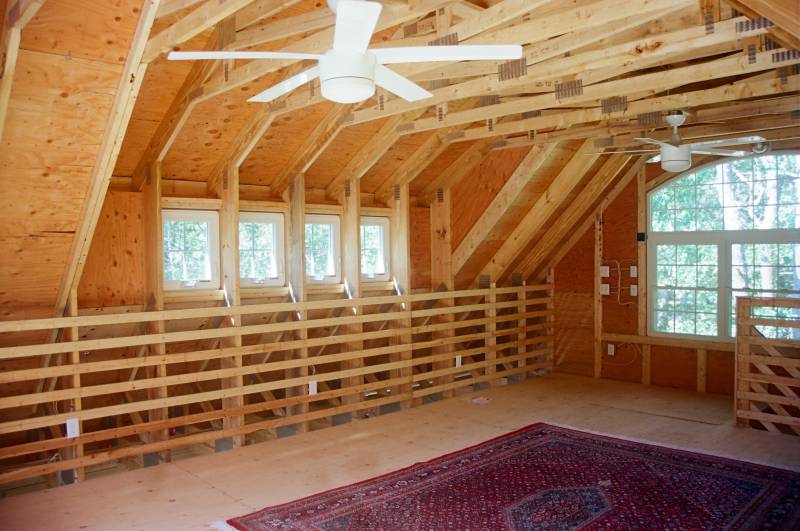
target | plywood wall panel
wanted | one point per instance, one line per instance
(392, 160)
(720, 372)
(341, 151)
(438, 165)
(114, 271)
(674, 367)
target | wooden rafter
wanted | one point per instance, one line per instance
(18, 14)
(456, 171)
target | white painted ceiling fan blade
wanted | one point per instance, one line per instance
(355, 23)
(625, 151)
(287, 85)
(467, 52)
(399, 85)
(728, 142)
(193, 56)
(720, 152)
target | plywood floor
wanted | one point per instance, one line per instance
(194, 493)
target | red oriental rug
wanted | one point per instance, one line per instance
(544, 477)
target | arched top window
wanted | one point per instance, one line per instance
(720, 231)
(754, 193)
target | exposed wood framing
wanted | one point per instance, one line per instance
(442, 276)
(456, 171)
(18, 13)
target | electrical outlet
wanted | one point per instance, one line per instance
(634, 290)
(634, 271)
(73, 428)
(611, 349)
(312, 387)
(605, 289)
(605, 271)
(458, 360)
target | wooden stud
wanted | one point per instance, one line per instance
(598, 299)
(351, 273)
(401, 273)
(442, 277)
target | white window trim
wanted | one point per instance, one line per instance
(723, 240)
(335, 222)
(383, 222)
(212, 218)
(280, 248)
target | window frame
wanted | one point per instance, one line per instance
(724, 240)
(335, 222)
(385, 223)
(188, 215)
(278, 219)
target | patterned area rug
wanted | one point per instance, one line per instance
(547, 478)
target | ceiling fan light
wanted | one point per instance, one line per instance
(676, 159)
(348, 89)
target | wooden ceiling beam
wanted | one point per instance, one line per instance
(282, 29)
(608, 62)
(738, 64)
(204, 17)
(456, 171)
(550, 202)
(785, 14)
(168, 7)
(724, 93)
(508, 197)
(18, 13)
(570, 218)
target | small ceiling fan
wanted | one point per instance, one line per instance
(676, 157)
(350, 70)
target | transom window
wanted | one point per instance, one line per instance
(722, 231)
(322, 248)
(261, 249)
(374, 248)
(191, 249)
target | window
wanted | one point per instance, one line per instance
(375, 248)
(322, 248)
(191, 249)
(261, 249)
(722, 231)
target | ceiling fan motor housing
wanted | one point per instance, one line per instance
(347, 77)
(676, 158)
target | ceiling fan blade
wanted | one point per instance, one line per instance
(355, 23)
(193, 56)
(720, 152)
(467, 52)
(625, 151)
(399, 85)
(729, 142)
(287, 85)
(652, 141)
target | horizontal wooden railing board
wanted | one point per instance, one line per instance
(496, 332)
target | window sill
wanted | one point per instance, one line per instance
(679, 342)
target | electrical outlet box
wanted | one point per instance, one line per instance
(605, 271)
(611, 349)
(312, 387)
(458, 360)
(634, 290)
(634, 271)
(73, 428)
(605, 289)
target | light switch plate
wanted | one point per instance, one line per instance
(73, 428)
(634, 271)
(605, 289)
(604, 271)
(634, 290)
(312, 387)
(458, 360)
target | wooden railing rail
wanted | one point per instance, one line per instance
(400, 353)
(768, 364)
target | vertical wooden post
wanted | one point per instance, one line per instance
(401, 271)
(702, 369)
(442, 279)
(351, 270)
(551, 319)
(641, 261)
(73, 334)
(491, 338)
(598, 299)
(522, 323)
(229, 247)
(296, 275)
(741, 369)
(154, 291)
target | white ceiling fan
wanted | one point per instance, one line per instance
(676, 157)
(350, 70)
